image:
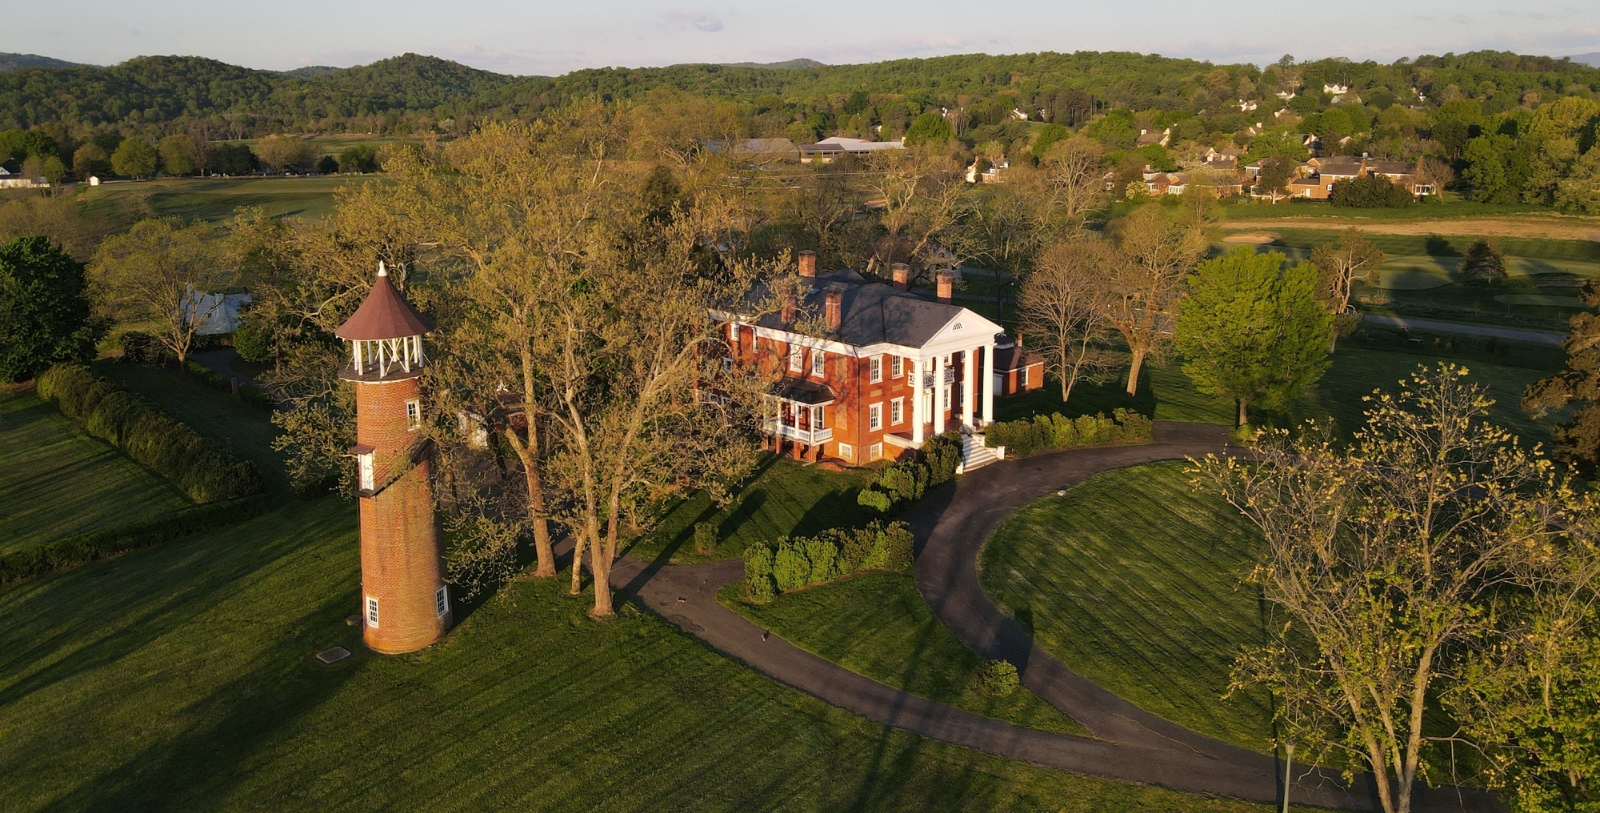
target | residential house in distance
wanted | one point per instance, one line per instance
(11, 177)
(1146, 137)
(1317, 176)
(830, 148)
(760, 151)
(881, 370)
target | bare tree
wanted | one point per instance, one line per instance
(918, 194)
(165, 272)
(1073, 173)
(1063, 306)
(1154, 254)
(1384, 558)
(821, 200)
(1338, 265)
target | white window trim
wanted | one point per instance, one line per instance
(796, 358)
(875, 417)
(413, 420)
(875, 369)
(1022, 378)
(897, 412)
(875, 452)
(818, 418)
(846, 452)
(733, 332)
(441, 600)
(819, 361)
(897, 366)
(727, 364)
(372, 611)
(365, 474)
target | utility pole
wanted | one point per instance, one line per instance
(1288, 760)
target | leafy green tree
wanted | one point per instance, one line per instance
(1577, 440)
(1485, 262)
(44, 312)
(233, 159)
(1580, 190)
(161, 271)
(358, 158)
(929, 128)
(1253, 331)
(1274, 177)
(90, 160)
(179, 155)
(53, 170)
(134, 158)
(1486, 159)
(1372, 192)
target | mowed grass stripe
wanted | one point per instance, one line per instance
(58, 481)
(1136, 581)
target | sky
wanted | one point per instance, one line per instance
(550, 37)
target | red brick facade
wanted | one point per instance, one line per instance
(401, 566)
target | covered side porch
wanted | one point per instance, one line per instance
(796, 420)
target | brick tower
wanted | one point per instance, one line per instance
(405, 605)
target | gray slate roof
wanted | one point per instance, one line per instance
(871, 312)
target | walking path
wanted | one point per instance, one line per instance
(1513, 333)
(1134, 745)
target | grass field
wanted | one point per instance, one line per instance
(1136, 582)
(877, 625)
(241, 428)
(182, 678)
(215, 200)
(57, 480)
(783, 498)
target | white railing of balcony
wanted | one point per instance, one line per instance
(808, 436)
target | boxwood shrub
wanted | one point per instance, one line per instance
(1044, 432)
(791, 563)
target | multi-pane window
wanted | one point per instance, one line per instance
(875, 451)
(875, 416)
(897, 367)
(796, 358)
(1022, 378)
(441, 601)
(372, 611)
(875, 368)
(727, 364)
(733, 332)
(413, 415)
(364, 466)
(897, 411)
(818, 360)
(847, 452)
(817, 421)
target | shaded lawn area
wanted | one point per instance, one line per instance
(782, 498)
(57, 480)
(1165, 394)
(1136, 582)
(245, 429)
(877, 625)
(181, 677)
(217, 200)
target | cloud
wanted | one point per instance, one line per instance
(698, 20)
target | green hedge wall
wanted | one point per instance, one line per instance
(171, 449)
(791, 563)
(78, 550)
(1043, 432)
(906, 481)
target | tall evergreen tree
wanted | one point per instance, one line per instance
(44, 314)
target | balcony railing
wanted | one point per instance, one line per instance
(809, 437)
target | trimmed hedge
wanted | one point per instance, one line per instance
(64, 554)
(222, 383)
(906, 481)
(1026, 436)
(171, 449)
(791, 563)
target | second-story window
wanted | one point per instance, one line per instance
(796, 358)
(818, 359)
(897, 411)
(875, 417)
(818, 420)
(413, 415)
(875, 368)
(897, 367)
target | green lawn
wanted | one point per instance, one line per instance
(1454, 207)
(181, 678)
(1165, 394)
(783, 498)
(1136, 582)
(876, 624)
(57, 480)
(215, 200)
(235, 425)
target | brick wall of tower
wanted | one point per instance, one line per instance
(400, 550)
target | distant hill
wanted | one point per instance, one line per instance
(11, 62)
(1588, 59)
(311, 70)
(786, 64)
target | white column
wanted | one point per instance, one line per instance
(988, 384)
(918, 396)
(967, 365)
(939, 405)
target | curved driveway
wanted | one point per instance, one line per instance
(1133, 745)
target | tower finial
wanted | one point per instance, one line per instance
(381, 271)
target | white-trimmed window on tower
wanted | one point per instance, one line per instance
(364, 469)
(413, 415)
(819, 362)
(875, 369)
(441, 601)
(372, 611)
(875, 417)
(796, 357)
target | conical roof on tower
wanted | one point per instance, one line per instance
(384, 314)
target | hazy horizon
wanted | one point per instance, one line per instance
(505, 37)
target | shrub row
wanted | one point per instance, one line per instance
(78, 550)
(795, 562)
(906, 481)
(221, 383)
(171, 449)
(1026, 436)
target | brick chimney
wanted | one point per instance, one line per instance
(902, 275)
(944, 280)
(808, 263)
(833, 306)
(788, 308)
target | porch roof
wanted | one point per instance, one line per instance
(800, 391)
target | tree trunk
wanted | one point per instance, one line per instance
(530, 467)
(1133, 373)
(577, 564)
(600, 566)
(1244, 412)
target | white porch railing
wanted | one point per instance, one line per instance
(809, 437)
